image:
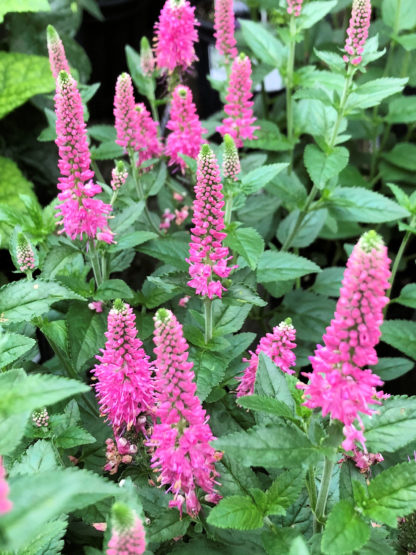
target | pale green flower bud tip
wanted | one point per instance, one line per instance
(120, 166)
(205, 151)
(119, 305)
(288, 321)
(144, 45)
(162, 315)
(371, 240)
(51, 34)
(123, 516)
(63, 77)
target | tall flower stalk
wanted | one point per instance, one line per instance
(56, 51)
(224, 29)
(182, 454)
(128, 535)
(357, 32)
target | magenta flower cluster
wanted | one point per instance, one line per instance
(181, 436)
(341, 384)
(128, 536)
(124, 383)
(357, 31)
(57, 57)
(279, 347)
(294, 7)
(224, 28)
(208, 256)
(239, 107)
(5, 504)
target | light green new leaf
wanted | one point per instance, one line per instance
(238, 512)
(321, 166)
(402, 110)
(13, 346)
(393, 425)
(402, 155)
(282, 266)
(406, 18)
(312, 12)
(133, 239)
(400, 334)
(22, 76)
(408, 295)
(345, 530)
(271, 382)
(21, 301)
(374, 92)
(392, 494)
(20, 6)
(259, 177)
(308, 231)
(247, 242)
(265, 46)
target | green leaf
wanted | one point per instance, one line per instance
(402, 155)
(132, 239)
(392, 494)
(238, 512)
(22, 76)
(393, 425)
(259, 177)
(13, 346)
(356, 204)
(345, 530)
(276, 445)
(390, 368)
(328, 282)
(265, 46)
(271, 382)
(282, 266)
(8, 6)
(23, 300)
(72, 437)
(11, 431)
(106, 151)
(323, 166)
(170, 250)
(246, 242)
(402, 110)
(39, 457)
(299, 547)
(374, 92)
(285, 489)
(308, 231)
(49, 541)
(143, 83)
(167, 525)
(62, 260)
(51, 494)
(400, 334)
(407, 41)
(280, 540)
(406, 18)
(268, 136)
(408, 295)
(261, 403)
(312, 12)
(85, 333)
(230, 319)
(111, 289)
(26, 393)
(333, 60)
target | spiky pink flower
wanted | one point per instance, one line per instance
(57, 58)
(357, 31)
(224, 28)
(147, 143)
(124, 384)
(96, 305)
(167, 218)
(186, 129)
(294, 7)
(5, 504)
(79, 211)
(278, 346)
(128, 535)
(340, 384)
(175, 36)
(181, 437)
(231, 162)
(25, 255)
(208, 256)
(239, 123)
(125, 112)
(119, 175)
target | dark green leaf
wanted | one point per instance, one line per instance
(282, 266)
(400, 334)
(408, 295)
(85, 333)
(246, 242)
(390, 368)
(321, 166)
(238, 512)
(345, 530)
(111, 289)
(13, 346)
(259, 177)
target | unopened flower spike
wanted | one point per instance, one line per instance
(79, 211)
(148, 143)
(186, 129)
(57, 57)
(357, 32)
(26, 256)
(341, 383)
(231, 162)
(239, 107)
(175, 35)
(5, 504)
(119, 175)
(40, 418)
(124, 384)
(294, 7)
(208, 257)
(224, 29)
(128, 535)
(182, 454)
(279, 347)
(147, 60)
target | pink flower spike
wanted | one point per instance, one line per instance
(119, 175)
(208, 256)
(147, 142)
(175, 36)
(5, 504)
(125, 113)
(231, 163)
(224, 28)
(57, 58)
(294, 7)
(340, 383)
(278, 346)
(186, 129)
(80, 213)
(25, 255)
(357, 32)
(128, 535)
(181, 437)
(124, 384)
(239, 123)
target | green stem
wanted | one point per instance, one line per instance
(95, 264)
(399, 255)
(153, 108)
(289, 85)
(311, 197)
(208, 320)
(113, 198)
(323, 495)
(104, 266)
(311, 487)
(228, 209)
(97, 171)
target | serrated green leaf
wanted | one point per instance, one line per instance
(283, 266)
(170, 250)
(111, 289)
(62, 260)
(328, 282)
(390, 368)
(85, 333)
(133, 239)
(285, 489)
(407, 295)
(49, 541)
(333, 60)
(167, 525)
(308, 230)
(246, 242)
(20, 6)
(323, 166)
(312, 12)
(22, 76)
(271, 382)
(23, 300)
(238, 512)
(345, 530)
(374, 92)
(266, 404)
(392, 494)
(402, 155)
(73, 436)
(402, 110)
(259, 177)
(39, 457)
(265, 46)
(400, 334)
(13, 346)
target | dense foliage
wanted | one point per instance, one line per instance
(189, 356)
